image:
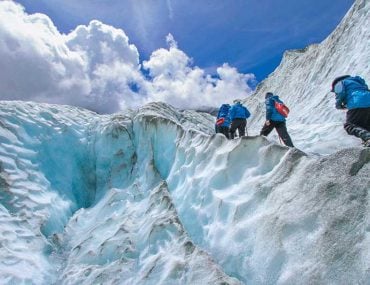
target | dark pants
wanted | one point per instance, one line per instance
(358, 123)
(238, 124)
(224, 130)
(281, 130)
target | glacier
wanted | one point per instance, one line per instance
(140, 198)
(153, 196)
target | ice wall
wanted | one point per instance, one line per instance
(151, 197)
(165, 204)
(83, 201)
(270, 215)
(44, 158)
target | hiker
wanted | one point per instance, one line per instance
(276, 120)
(352, 93)
(223, 120)
(238, 116)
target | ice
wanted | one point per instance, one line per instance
(90, 191)
(153, 196)
(137, 198)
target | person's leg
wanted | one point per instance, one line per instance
(359, 117)
(233, 128)
(358, 123)
(225, 131)
(357, 131)
(283, 133)
(217, 129)
(266, 129)
(241, 127)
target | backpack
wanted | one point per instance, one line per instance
(282, 109)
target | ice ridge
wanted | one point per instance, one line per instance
(138, 198)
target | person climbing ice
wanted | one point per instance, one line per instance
(352, 94)
(275, 118)
(223, 120)
(238, 116)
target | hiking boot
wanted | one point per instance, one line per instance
(367, 143)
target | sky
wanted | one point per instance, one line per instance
(113, 54)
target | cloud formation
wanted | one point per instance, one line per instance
(96, 67)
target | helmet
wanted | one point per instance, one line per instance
(268, 94)
(336, 80)
(237, 101)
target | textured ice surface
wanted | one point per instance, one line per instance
(152, 197)
(83, 199)
(303, 81)
(137, 198)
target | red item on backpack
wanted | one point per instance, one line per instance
(282, 109)
(220, 121)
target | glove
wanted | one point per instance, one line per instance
(340, 106)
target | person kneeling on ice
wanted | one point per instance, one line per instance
(352, 93)
(276, 112)
(223, 120)
(238, 116)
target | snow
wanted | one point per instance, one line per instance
(303, 81)
(153, 196)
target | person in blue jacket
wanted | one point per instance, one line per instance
(275, 120)
(352, 93)
(238, 116)
(223, 120)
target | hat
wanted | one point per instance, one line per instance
(268, 94)
(336, 80)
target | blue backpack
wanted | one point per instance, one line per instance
(223, 116)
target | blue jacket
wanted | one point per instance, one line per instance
(223, 112)
(238, 111)
(352, 93)
(271, 112)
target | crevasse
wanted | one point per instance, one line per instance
(164, 204)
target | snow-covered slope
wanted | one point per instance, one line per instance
(137, 198)
(303, 80)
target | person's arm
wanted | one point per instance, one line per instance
(340, 96)
(232, 113)
(269, 108)
(247, 113)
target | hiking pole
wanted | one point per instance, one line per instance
(280, 140)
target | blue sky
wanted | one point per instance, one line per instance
(250, 35)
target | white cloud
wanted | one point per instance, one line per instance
(96, 67)
(176, 82)
(112, 66)
(103, 44)
(35, 61)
